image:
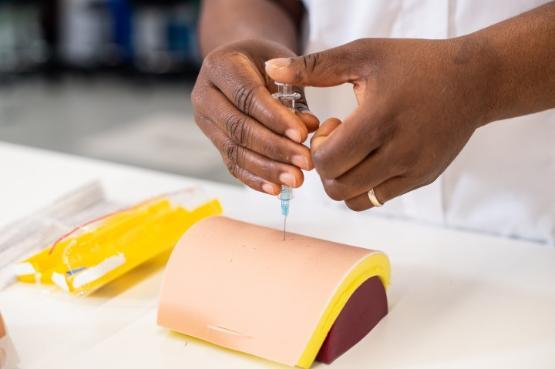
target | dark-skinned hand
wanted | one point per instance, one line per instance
(419, 101)
(259, 140)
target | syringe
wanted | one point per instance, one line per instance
(288, 98)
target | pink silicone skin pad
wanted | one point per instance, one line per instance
(241, 286)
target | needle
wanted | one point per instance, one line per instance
(284, 224)
(285, 195)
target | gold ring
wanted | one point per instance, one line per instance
(373, 199)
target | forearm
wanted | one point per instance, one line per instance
(520, 59)
(226, 21)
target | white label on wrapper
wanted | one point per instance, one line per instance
(8, 356)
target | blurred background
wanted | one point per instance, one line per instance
(108, 79)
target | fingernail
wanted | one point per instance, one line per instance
(278, 63)
(293, 134)
(287, 179)
(268, 188)
(301, 161)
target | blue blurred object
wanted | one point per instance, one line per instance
(154, 37)
(122, 28)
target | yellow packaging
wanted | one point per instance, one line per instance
(100, 251)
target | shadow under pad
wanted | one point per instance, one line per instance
(365, 308)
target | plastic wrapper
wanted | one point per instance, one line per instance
(100, 250)
(28, 235)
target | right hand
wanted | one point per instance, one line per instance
(259, 139)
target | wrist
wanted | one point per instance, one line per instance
(478, 69)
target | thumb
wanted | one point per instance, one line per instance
(330, 67)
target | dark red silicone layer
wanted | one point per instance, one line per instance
(366, 307)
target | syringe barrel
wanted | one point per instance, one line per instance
(286, 193)
(286, 95)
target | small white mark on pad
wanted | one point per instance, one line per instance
(226, 330)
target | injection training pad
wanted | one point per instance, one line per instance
(243, 287)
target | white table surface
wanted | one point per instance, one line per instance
(457, 299)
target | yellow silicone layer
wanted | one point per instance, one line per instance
(114, 245)
(375, 264)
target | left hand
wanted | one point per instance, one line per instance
(419, 101)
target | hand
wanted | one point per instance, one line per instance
(259, 139)
(419, 101)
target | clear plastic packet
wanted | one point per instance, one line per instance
(100, 250)
(26, 236)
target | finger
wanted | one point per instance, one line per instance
(376, 169)
(270, 170)
(309, 119)
(351, 142)
(326, 68)
(238, 158)
(247, 132)
(303, 111)
(255, 182)
(323, 132)
(246, 89)
(384, 192)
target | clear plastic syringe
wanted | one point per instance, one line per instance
(288, 98)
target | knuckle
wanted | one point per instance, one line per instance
(215, 64)
(231, 151)
(198, 118)
(334, 189)
(244, 98)
(210, 61)
(310, 63)
(354, 206)
(422, 176)
(400, 161)
(231, 167)
(429, 179)
(319, 160)
(199, 91)
(206, 127)
(322, 164)
(417, 178)
(237, 56)
(238, 129)
(196, 98)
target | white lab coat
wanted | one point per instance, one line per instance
(503, 182)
